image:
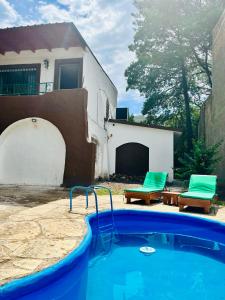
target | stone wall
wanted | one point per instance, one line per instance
(212, 122)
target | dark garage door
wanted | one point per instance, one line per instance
(132, 159)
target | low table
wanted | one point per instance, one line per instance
(170, 197)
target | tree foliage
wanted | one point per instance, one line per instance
(131, 119)
(172, 70)
(201, 160)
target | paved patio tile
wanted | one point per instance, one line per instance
(35, 236)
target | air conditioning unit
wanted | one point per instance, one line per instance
(122, 113)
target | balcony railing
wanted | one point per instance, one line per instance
(19, 89)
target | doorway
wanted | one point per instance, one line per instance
(132, 159)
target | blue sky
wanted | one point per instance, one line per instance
(106, 25)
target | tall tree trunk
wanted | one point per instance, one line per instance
(204, 64)
(185, 88)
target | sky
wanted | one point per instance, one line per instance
(106, 25)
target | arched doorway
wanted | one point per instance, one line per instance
(32, 152)
(132, 159)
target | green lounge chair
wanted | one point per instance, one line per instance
(153, 185)
(201, 192)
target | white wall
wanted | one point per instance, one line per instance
(100, 90)
(95, 79)
(38, 57)
(160, 144)
(32, 153)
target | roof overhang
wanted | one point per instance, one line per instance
(44, 36)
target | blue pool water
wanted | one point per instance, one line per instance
(182, 268)
(189, 262)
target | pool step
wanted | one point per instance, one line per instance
(106, 228)
(105, 232)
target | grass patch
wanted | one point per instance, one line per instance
(219, 202)
(105, 192)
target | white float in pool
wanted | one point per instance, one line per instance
(147, 250)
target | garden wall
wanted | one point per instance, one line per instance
(212, 122)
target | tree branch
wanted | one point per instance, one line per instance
(204, 64)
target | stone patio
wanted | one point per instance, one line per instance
(37, 230)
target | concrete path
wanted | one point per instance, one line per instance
(35, 234)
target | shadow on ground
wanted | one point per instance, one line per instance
(194, 210)
(29, 196)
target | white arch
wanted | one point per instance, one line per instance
(32, 152)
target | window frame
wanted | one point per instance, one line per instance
(58, 62)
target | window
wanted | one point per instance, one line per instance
(107, 110)
(19, 79)
(68, 74)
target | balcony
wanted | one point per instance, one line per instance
(19, 89)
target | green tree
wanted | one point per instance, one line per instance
(201, 160)
(131, 119)
(172, 69)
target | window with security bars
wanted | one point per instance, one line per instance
(19, 80)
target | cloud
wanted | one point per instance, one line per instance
(106, 26)
(90, 16)
(8, 15)
(51, 13)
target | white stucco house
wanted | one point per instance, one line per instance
(58, 114)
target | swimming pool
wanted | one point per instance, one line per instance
(189, 262)
(181, 268)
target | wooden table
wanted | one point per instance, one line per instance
(170, 197)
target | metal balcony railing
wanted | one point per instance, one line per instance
(19, 89)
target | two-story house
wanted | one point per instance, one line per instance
(58, 110)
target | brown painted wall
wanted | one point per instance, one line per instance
(67, 110)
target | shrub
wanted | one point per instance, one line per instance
(201, 160)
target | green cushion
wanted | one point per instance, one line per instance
(142, 190)
(154, 182)
(201, 187)
(198, 195)
(203, 183)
